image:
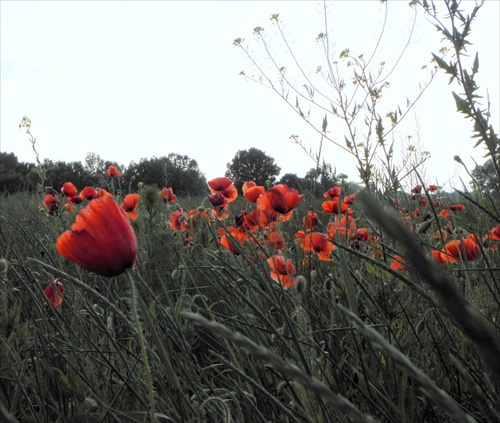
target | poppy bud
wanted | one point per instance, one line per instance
(4, 265)
(300, 283)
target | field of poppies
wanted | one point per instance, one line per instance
(264, 305)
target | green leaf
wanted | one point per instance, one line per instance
(475, 66)
(441, 63)
(462, 105)
(325, 124)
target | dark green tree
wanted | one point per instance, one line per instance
(179, 172)
(14, 175)
(321, 179)
(293, 181)
(252, 165)
(59, 172)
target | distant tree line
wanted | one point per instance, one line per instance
(176, 171)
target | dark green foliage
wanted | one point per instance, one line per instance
(321, 179)
(178, 172)
(252, 165)
(15, 176)
(293, 181)
(59, 172)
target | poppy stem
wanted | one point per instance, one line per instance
(134, 297)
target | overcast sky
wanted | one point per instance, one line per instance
(131, 80)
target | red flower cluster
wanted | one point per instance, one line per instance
(259, 227)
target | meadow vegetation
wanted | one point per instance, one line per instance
(264, 304)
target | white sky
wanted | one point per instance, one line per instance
(128, 80)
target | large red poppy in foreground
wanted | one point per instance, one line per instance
(101, 239)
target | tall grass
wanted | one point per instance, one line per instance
(273, 355)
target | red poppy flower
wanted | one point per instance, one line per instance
(466, 249)
(76, 199)
(317, 242)
(457, 207)
(69, 190)
(113, 172)
(54, 293)
(233, 238)
(281, 199)
(495, 233)
(218, 201)
(220, 213)
(223, 186)
(346, 226)
(101, 239)
(299, 236)
(349, 200)
(439, 256)
(184, 221)
(332, 192)
(398, 263)
(167, 195)
(311, 220)
(332, 206)
(178, 220)
(195, 215)
(282, 270)
(432, 188)
(102, 192)
(361, 234)
(275, 240)
(441, 234)
(252, 194)
(68, 207)
(51, 203)
(445, 213)
(249, 221)
(89, 193)
(252, 191)
(269, 218)
(247, 185)
(130, 203)
(417, 189)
